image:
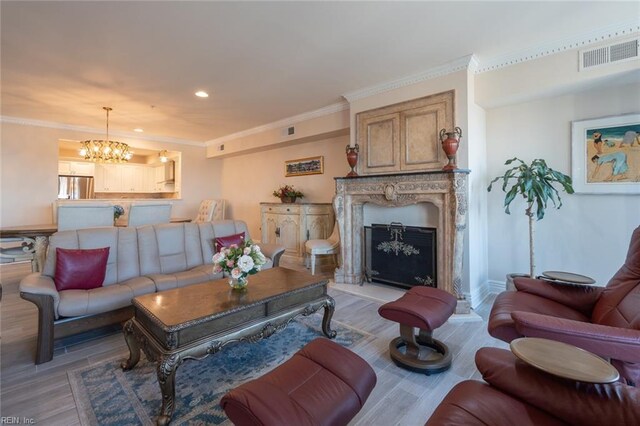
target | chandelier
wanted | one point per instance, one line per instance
(105, 151)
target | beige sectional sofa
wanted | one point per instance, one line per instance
(141, 260)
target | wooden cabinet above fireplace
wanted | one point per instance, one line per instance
(404, 136)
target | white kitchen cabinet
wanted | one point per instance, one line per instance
(132, 178)
(76, 168)
(108, 178)
(291, 225)
(113, 178)
(149, 179)
(160, 184)
(138, 178)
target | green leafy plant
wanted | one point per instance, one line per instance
(118, 211)
(287, 191)
(535, 183)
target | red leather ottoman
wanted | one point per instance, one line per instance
(426, 308)
(322, 384)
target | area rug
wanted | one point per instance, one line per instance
(105, 395)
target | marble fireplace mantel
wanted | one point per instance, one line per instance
(446, 190)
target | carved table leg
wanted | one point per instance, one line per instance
(329, 308)
(134, 346)
(40, 248)
(166, 378)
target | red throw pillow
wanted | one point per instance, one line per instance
(228, 240)
(80, 269)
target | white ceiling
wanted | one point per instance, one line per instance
(259, 61)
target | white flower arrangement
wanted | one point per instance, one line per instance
(239, 261)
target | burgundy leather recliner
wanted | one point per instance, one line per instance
(518, 394)
(605, 321)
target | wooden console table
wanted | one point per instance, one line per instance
(196, 321)
(291, 225)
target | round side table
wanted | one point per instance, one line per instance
(563, 360)
(567, 278)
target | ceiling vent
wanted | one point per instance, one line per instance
(619, 52)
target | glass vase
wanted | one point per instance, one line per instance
(239, 283)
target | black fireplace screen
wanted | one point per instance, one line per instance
(403, 256)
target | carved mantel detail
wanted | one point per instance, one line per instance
(447, 191)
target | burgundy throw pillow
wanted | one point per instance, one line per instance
(228, 240)
(80, 269)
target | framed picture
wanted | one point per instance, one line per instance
(304, 166)
(605, 155)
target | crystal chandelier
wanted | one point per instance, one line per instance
(105, 151)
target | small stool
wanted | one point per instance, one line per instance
(322, 384)
(426, 308)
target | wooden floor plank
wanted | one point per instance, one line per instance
(400, 397)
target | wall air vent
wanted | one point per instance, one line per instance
(290, 131)
(221, 148)
(619, 52)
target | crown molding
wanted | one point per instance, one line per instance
(61, 126)
(464, 63)
(330, 109)
(624, 29)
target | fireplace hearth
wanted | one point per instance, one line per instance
(446, 190)
(401, 256)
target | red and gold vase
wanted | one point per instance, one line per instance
(352, 158)
(450, 145)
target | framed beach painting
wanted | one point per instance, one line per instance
(605, 155)
(304, 166)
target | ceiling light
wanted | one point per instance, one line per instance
(202, 94)
(163, 156)
(138, 129)
(105, 151)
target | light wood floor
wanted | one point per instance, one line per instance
(400, 397)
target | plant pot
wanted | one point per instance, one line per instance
(288, 200)
(510, 286)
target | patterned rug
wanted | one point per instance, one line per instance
(105, 395)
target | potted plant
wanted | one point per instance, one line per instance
(118, 211)
(535, 183)
(287, 194)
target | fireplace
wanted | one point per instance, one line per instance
(446, 190)
(401, 256)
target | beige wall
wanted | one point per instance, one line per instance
(590, 233)
(248, 180)
(551, 75)
(29, 169)
(306, 130)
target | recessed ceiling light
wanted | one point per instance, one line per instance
(202, 94)
(139, 130)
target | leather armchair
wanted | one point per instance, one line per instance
(605, 321)
(518, 394)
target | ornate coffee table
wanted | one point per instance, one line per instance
(196, 321)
